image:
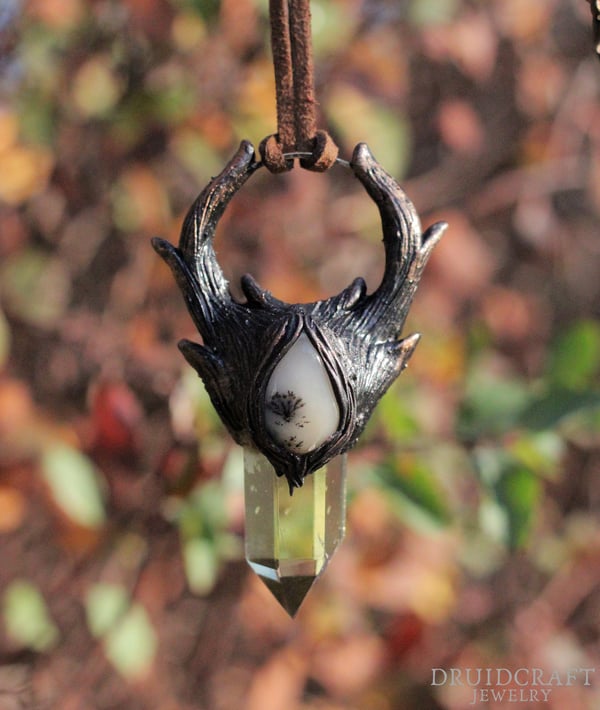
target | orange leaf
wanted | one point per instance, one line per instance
(12, 509)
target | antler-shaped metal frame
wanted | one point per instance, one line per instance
(356, 334)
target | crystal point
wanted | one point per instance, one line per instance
(290, 539)
(289, 591)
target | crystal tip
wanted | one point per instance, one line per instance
(290, 591)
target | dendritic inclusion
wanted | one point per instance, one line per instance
(301, 411)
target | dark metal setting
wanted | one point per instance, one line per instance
(356, 334)
(595, 7)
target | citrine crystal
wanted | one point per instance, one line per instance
(290, 538)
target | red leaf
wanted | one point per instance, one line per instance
(116, 418)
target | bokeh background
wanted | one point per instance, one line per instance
(473, 531)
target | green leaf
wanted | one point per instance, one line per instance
(197, 156)
(493, 522)
(129, 638)
(204, 514)
(414, 490)
(356, 115)
(332, 27)
(395, 416)
(26, 616)
(201, 565)
(75, 485)
(37, 118)
(518, 492)
(492, 406)
(432, 12)
(575, 356)
(4, 340)
(104, 605)
(541, 451)
(131, 645)
(551, 408)
(207, 9)
(35, 287)
(203, 528)
(513, 491)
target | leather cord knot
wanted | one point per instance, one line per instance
(324, 153)
(271, 152)
(294, 84)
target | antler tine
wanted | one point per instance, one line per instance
(194, 262)
(198, 230)
(406, 248)
(401, 225)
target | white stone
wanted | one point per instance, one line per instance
(301, 408)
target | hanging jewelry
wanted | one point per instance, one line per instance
(295, 384)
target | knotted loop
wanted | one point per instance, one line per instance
(273, 156)
(321, 155)
(295, 92)
(324, 153)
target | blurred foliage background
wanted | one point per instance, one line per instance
(473, 530)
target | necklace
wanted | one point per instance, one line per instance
(295, 384)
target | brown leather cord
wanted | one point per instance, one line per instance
(294, 83)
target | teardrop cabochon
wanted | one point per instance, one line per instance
(299, 330)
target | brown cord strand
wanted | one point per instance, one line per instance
(281, 44)
(303, 72)
(294, 82)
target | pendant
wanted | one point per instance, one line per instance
(295, 384)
